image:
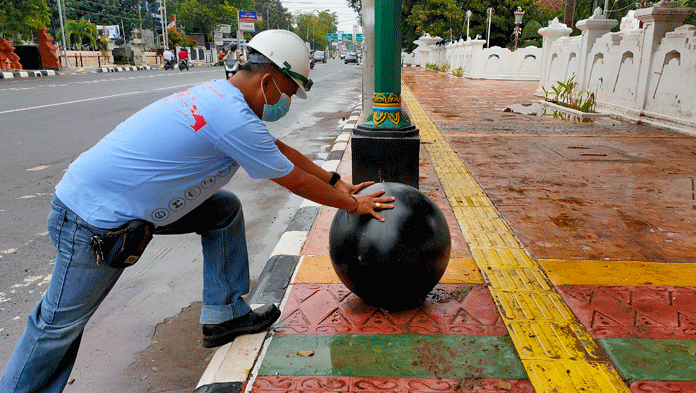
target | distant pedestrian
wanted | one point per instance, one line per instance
(161, 172)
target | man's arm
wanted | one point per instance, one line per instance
(311, 187)
(307, 165)
(302, 162)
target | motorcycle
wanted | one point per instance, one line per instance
(311, 63)
(231, 66)
(182, 65)
(169, 65)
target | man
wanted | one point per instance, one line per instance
(168, 57)
(165, 166)
(183, 55)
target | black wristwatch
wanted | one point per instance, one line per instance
(335, 177)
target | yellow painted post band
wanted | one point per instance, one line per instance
(558, 353)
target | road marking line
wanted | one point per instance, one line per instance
(558, 353)
(95, 98)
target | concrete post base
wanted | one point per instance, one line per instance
(385, 155)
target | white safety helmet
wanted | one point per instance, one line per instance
(288, 52)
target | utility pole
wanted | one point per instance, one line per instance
(165, 32)
(62, 31)
(488, 35)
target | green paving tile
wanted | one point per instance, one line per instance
(649, 359)
(416, 356)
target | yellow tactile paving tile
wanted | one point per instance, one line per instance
(553, 376)
(532, 306)
(556, 350)
(488, 239)
(317, 269)
(613, 273)
(515, 279)
(510, 257)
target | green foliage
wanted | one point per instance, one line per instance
(275, 16)
(444, 68)
(565, 94)
(314, 27)
(79, 32)
(530, 35)
(458, 72)
(123, 13)
(22, 17)
(177, 39)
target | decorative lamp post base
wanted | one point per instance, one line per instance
(386, 147)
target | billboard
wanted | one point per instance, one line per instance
(247, 16)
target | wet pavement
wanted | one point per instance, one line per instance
(572, 265)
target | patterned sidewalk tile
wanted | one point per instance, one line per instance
(649, 312)
(363, 385)
(392, 356)
(663, 387)
(333, 309)
(644, 359)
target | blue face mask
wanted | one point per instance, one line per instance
(280, 109)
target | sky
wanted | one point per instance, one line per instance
(346, 16)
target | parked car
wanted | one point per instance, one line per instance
(343, 55)
(351, 57)
(319, 56)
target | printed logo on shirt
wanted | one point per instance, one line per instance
(180, 205)
(187, 99)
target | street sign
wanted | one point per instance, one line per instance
(358, 37)
(347, 38)
(332, 37)
(246, 26)
(247, 16)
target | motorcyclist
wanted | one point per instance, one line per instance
(183, 55)
(168, 57)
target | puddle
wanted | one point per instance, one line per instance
(524, 109)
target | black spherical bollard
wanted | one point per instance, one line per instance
(392, 264)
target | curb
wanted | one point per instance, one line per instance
(242, 353)
(120, 69)
(40, 73)
(27, 74)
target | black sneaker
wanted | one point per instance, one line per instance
(252, 322)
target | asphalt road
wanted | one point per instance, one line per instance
(47, 122)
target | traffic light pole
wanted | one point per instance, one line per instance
(385, 148)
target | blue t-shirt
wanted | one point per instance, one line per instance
(169, 157)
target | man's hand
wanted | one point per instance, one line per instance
(370, 203)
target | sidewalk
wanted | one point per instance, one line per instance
(572, 265)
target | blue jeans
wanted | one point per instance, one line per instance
(45, 354)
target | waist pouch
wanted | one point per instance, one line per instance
(123, 247)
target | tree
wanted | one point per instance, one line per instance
(277, 17)
(314, 28)
(22, 17)
(438, 17)
(451, 14)
(123, 13)
(79, 31)
(530, 35)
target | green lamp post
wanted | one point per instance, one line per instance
(386, 146)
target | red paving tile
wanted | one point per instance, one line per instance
(663, 387)
(332, 309)
(648, 312)
(365, 385)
